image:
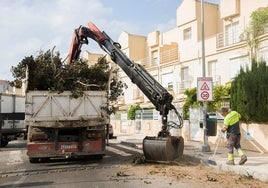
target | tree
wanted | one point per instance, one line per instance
(41, 72)
(219, 91)
(257, 26)
(249, 93)
(131, 112)
(191, 101)
(47, 71)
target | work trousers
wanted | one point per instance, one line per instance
(233, 142)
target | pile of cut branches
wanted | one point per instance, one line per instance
(47, 71)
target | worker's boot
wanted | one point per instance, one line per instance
(243, 160)
(230, 159)
(230, 162)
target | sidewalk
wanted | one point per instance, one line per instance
(255, 167)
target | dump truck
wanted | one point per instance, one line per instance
(12, 108)
(164, 146)
(61, 126)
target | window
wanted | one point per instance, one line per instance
(184, 74)
(167, 79)
(155, 58)
(236, 64)
(187, 34)
(232, 33)
(170, 85)
(212, 72)
(212, 69)
(185, 84)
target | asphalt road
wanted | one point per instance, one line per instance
(116, 169)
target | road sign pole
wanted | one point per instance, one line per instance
(205, 147)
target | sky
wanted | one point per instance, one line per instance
(30, 26)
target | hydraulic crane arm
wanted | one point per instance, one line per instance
(154, 91)
(164, 147)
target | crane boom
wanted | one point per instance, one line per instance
(153, 90)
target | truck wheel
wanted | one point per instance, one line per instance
(45, 159)
(33, 160)
(4, 143)
(25, 136)
(99, 157)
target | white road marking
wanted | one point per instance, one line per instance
(117, 151)
(131, 148)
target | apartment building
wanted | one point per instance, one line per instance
(91, 58)
(174, 58)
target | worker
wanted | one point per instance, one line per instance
(231, 126)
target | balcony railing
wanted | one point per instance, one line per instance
(186, 84)
(165, 56)
(229, 38)
(180, 87)
(169, 55)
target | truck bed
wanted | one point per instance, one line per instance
(52, 109)
(12, 108)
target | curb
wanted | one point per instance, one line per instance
(243, 171)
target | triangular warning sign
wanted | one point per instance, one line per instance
(204, 86)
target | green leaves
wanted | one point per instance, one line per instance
(219, 92)
(249, 93)
(132, 110)
(47, 71)
(259, 21)
(257, 26)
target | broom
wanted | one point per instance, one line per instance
(210, 161)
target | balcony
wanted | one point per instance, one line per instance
(186, 84)
(165, 56)
(229, 38)
(169, 55)
(138, 96)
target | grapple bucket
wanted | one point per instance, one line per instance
(162, 148)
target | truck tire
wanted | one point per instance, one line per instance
(4, 143)
(33, 160)
(99, 157)
(25, 136)
(45, 159)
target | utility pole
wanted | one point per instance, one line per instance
(205, 147)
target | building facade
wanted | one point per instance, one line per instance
(174, 58)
